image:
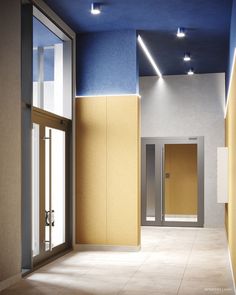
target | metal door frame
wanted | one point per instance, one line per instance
(160, 143)
(28, 9)
(46, 119)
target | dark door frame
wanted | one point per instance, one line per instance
(159, 143)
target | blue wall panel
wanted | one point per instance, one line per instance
(107, 63)
(232, 43)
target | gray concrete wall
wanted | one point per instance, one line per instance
(189, 106)
(10, 139)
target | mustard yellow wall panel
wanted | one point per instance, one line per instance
(123, 224)
(91, 170)
(181, 193)
(231, 143)
(226, 144)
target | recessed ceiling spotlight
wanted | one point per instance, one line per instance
(191, 72)
(181, 33)
(187, 57)
(95, 8)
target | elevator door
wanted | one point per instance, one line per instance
(172, 181)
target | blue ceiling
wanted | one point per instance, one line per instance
(207, 23)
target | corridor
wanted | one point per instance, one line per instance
(181, 261)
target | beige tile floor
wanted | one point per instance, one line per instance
(181, 261)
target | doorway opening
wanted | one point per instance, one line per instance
(173, 181)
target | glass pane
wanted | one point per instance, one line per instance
(35, 189)
(181, 182)
(57, 162)
(51, 71)
(58, 186)
(150, 182)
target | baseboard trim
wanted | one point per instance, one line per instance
(89, 247)
(10, 281)
(231, 267)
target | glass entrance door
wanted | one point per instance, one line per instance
(49, 186)
(54, 187)
(172, 181)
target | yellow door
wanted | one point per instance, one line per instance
(181, 193)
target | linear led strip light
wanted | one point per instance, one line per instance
(150, 58)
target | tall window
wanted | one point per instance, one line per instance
(52, 92)
(52, 71)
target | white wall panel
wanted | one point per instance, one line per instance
(189, 106)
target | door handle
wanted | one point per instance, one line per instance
(53, 218)
(167, 175)
(49, 217)
(47, 222)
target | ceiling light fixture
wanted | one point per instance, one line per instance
(187, 57)
(150, 58)
(191, 72)
(95, 8)
(181, 33)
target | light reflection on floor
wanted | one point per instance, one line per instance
(183, 261)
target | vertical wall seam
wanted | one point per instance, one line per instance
(106, 173)
(139, 171)
(138, 175)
